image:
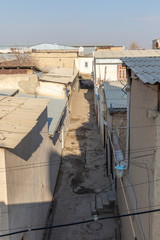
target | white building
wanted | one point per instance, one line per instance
(84, 65)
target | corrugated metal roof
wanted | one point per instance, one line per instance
(60, 75)
(17, 118)
(127, 53)
(8, 92)
(47, 46)
(89, 50)
(115, 97)
(85, 55)
(55, 110)
(147, 69)
(7, 57)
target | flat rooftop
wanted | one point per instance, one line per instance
(127, 53)
(60, 75)
(55, 110)
(17, 118)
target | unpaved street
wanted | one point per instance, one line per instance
(82, 174)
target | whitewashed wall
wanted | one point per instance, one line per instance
(81, 65)
(106, 69)
(106, 72)
(52, 90)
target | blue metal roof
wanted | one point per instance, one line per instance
(146, 68)
(55, 110)
(115, 97)
(47, 46)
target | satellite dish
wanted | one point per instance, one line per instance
(157, 43)
(81, 49)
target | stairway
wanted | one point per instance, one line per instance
(104, 203)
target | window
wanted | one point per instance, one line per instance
(86, 64)
(121, 73)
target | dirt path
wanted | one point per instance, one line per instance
(82, 174)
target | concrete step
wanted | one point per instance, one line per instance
(113, 185)
(107, 206)
(105, 199)
(99, 204)
(111, 196)
(93, 209)
(105, 202)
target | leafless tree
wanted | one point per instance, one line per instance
(23, 58)
(134, 46)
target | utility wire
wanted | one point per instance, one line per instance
(80, 222)
(52, 163)
(48, 163)
(122, 212)
(69, 199)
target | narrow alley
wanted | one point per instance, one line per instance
(82, 175)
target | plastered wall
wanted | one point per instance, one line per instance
(26, 83)
(54, 59)
(31, 173)
(140, 195)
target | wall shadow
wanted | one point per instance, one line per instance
(32, 140)
(83, 169)
(82, 173)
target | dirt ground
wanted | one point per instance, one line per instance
(82, 175)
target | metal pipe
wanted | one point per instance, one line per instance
(128, 129)
(128, 211)
(128, 119)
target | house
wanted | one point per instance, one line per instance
(18, 74)
(90, 48)
(53, 55)
(108, 66)
(10, 48)
(115, 114)
(139, 188)
(110, 48)
(58, 121)
(23, 75)
(7, 57)
(60, 83)
(28, 160)
(48, 47)
(84, 65)
(112, 121)
(84, 62)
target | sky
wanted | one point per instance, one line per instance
(72, 22)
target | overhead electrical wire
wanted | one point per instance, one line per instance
(133, 158)
(80, 222)
(119, 188)
(53, 162)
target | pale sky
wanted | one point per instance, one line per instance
(71, 22)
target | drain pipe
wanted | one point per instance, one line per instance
(128, 130)
(110, 110)
(127, 89)
(128, 211)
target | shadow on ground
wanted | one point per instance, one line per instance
(82, 175)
